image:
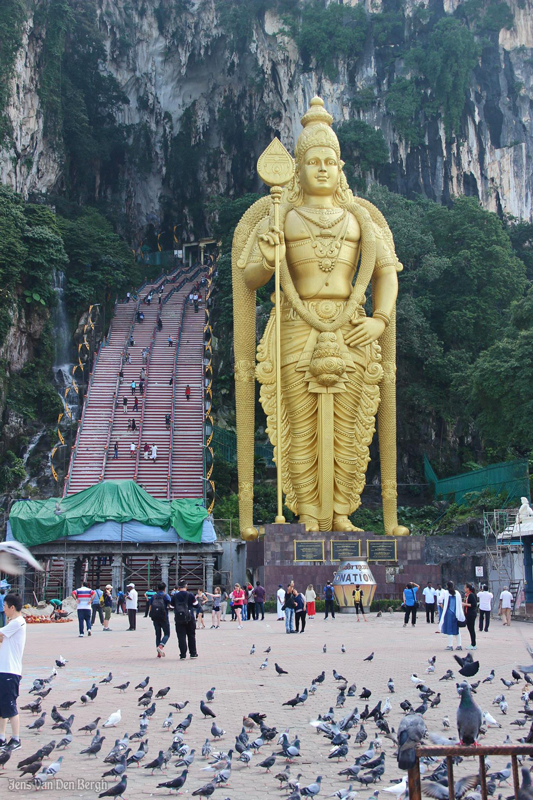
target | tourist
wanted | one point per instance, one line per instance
(129, 425)
(289, 605)
(245, 604)
(170, 341)
(171, 381)
(357, 595)
(310, 601)
(329, 600)
(441, 594)
(430, 599)
(136, 404)
(470, 611)
(131, 606)
(506, 604)
(141, 388)
(159, 324)
(237, 596)
(108, 605)
(280, 598)
(83, 597)
(183, 603)
(12, 642)
(485, 599)
(128, 295)
(96, 606)
(147, 597)
(410, 603)
(223, 603)
(300, 612)
(153, 454)
(215, 610)
(190, 298)
(167, 421)
(142, 374)
(201, 599)
(121, 601)
(132, 450)
(133, 387)
(251, 602)
(196, 306)
(146, 451)
(2, 607)
(158, 605)
(452, 615)
(132, 344)
(188, 392)
(133, 425)
(125, 404)
(115, 449)
(259, 595)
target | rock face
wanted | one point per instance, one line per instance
(173, 61)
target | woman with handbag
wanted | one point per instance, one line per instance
(410, 603)
(470, 610)
(453, 617)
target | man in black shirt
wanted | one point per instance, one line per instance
(183, 602)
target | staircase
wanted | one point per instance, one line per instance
(188, 442)
(179, 468)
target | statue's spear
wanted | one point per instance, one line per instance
(275, 167)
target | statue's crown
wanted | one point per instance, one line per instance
(317, 131)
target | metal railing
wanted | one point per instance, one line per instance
(480, 751)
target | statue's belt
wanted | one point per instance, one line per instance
(326, 310)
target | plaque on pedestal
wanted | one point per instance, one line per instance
(309, 550)
(381, 550)
(342, 550)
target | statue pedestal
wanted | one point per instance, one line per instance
(285, 553)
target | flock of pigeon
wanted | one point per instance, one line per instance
(274, 755)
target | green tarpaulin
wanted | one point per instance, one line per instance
(40, 521)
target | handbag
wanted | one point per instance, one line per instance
(461, 623)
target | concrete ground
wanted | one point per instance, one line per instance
(241, 687)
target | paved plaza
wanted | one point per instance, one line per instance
(241, 687)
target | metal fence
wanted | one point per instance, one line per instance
(511, 477)
(225, 445)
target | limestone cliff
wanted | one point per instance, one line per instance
(197, 101)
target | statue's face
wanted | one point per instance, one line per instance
(320, 171)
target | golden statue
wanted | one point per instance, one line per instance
(336, 365)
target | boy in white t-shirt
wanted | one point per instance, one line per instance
(484, 601)
(12, 642)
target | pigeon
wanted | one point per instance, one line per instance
(264, 665)
(123, 686)
(469, 717)
(369, 658)
(448, 675)
(157, 763)
(293, 702)
(325, 649)
(504, 706)
(179, 706)
(138, 756)
(113, 720)
(91, 727)
(216, 732)
(206, 749)
(343, 649)
(143, 684)
(37, 724)
(268, 762)
(118, 770)
(365, 694)
(184, 724)
(490, 721)
(31, 769)
(34, 706)
(490, 677)
(162, 693)
(117, 790)
(280, 670)
(12, 554)
(168, 722)
(313, 789)
(390, 685)
(339, 677)
(516, 675)
(412, 729)
(205, 791)
(93, 749)
(526, 789)
(210, 694)
(507, 683)
(175, 783)
(65, 742)
(206, 711)
(252, 651)
(93, 691)
(398, 789)
(107, 679)
(187, 759)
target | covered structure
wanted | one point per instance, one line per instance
(114, 532)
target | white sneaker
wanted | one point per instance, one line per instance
(239, 627)
(80, 636)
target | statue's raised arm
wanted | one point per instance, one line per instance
(337, 364)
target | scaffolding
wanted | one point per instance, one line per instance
(504, 555)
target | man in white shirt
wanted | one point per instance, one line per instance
(12, 641)
(131, 605)
(484, 600)
(506, 604)
(430, 597)
(280, 597)
(84, 598)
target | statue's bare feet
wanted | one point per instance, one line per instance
(311, 524)
(342, 523)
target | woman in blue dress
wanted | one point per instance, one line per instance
(452, 614)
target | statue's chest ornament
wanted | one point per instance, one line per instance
(326, 250)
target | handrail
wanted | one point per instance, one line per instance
(208, 391)
(479, 751)
(173, 410)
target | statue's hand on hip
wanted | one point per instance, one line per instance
(366, 331)
(267, 245)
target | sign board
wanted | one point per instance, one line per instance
(479, 572)
(344, 550)
(382, 550)
(308, 550)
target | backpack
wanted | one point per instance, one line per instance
(329, 593)
(357, 595)
(158, 608)
(182, 612)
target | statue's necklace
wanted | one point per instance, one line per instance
(327, 252)
(323, 221)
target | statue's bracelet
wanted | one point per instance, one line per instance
(382, 316)
(267, 266)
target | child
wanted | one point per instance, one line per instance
(13, 640)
